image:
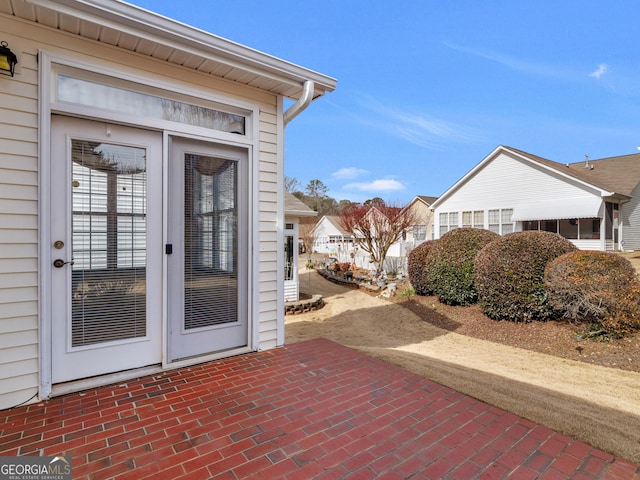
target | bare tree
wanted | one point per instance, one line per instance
(376, 228)
(291, 184)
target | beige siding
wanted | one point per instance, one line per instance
(19, 190)
(19, 235)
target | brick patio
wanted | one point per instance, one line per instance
(313, 409)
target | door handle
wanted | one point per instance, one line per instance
(59, 263)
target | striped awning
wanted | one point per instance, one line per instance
(577, 207)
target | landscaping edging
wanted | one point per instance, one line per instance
(339, 280)
(301, 306)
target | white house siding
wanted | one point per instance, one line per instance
(630, 212)
(270, 229)
(504, 182)
(323, 232)
(19, 305)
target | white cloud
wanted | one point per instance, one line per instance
(416, 128)
(380, 185)
(348, 173)
(513, 63)
(602, 69)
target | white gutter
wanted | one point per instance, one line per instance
(302, 103)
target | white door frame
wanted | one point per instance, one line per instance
(175, 260)
(49, 64)
(70, 363)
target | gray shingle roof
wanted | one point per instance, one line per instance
(295, 207)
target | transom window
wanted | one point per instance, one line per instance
(125, 101)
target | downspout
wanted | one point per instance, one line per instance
(302, 103)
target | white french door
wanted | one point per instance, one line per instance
(106, 272)
(207, 249)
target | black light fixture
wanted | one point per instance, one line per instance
(8, 60)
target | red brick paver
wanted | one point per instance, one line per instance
(313, 409)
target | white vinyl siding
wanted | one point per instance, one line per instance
(630, 215)
(504, 182)
(19, 359)
(19, 235)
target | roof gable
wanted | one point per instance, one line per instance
(613, 175)
(427, 200)
(334, 221)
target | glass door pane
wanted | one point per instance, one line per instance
(109, 231)
(210, 241)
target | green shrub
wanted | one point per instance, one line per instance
(450, 264)
(416, 267)
(595, 287)
(509, 275)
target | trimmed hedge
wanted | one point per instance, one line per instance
(416, 268)
(450, 264)
(596, 287)
(509, 275)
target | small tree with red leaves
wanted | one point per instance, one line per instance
(376, 228)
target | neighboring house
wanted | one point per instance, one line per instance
(593, 203)
(141, 195)
(330, 238)
(423, 228)
(294, 209)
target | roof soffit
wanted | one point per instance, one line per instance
(131, 28)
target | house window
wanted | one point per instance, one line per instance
(444, 223)
(500, 221)
(419, 233)
(505, 220)
(448, 221)
(478, 219)
(466, 219)
(473, 219)
(494, 221)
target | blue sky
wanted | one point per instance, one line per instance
(428, 88)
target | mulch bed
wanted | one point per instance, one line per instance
(558, 338)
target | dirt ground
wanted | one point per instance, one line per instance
(597, 404)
